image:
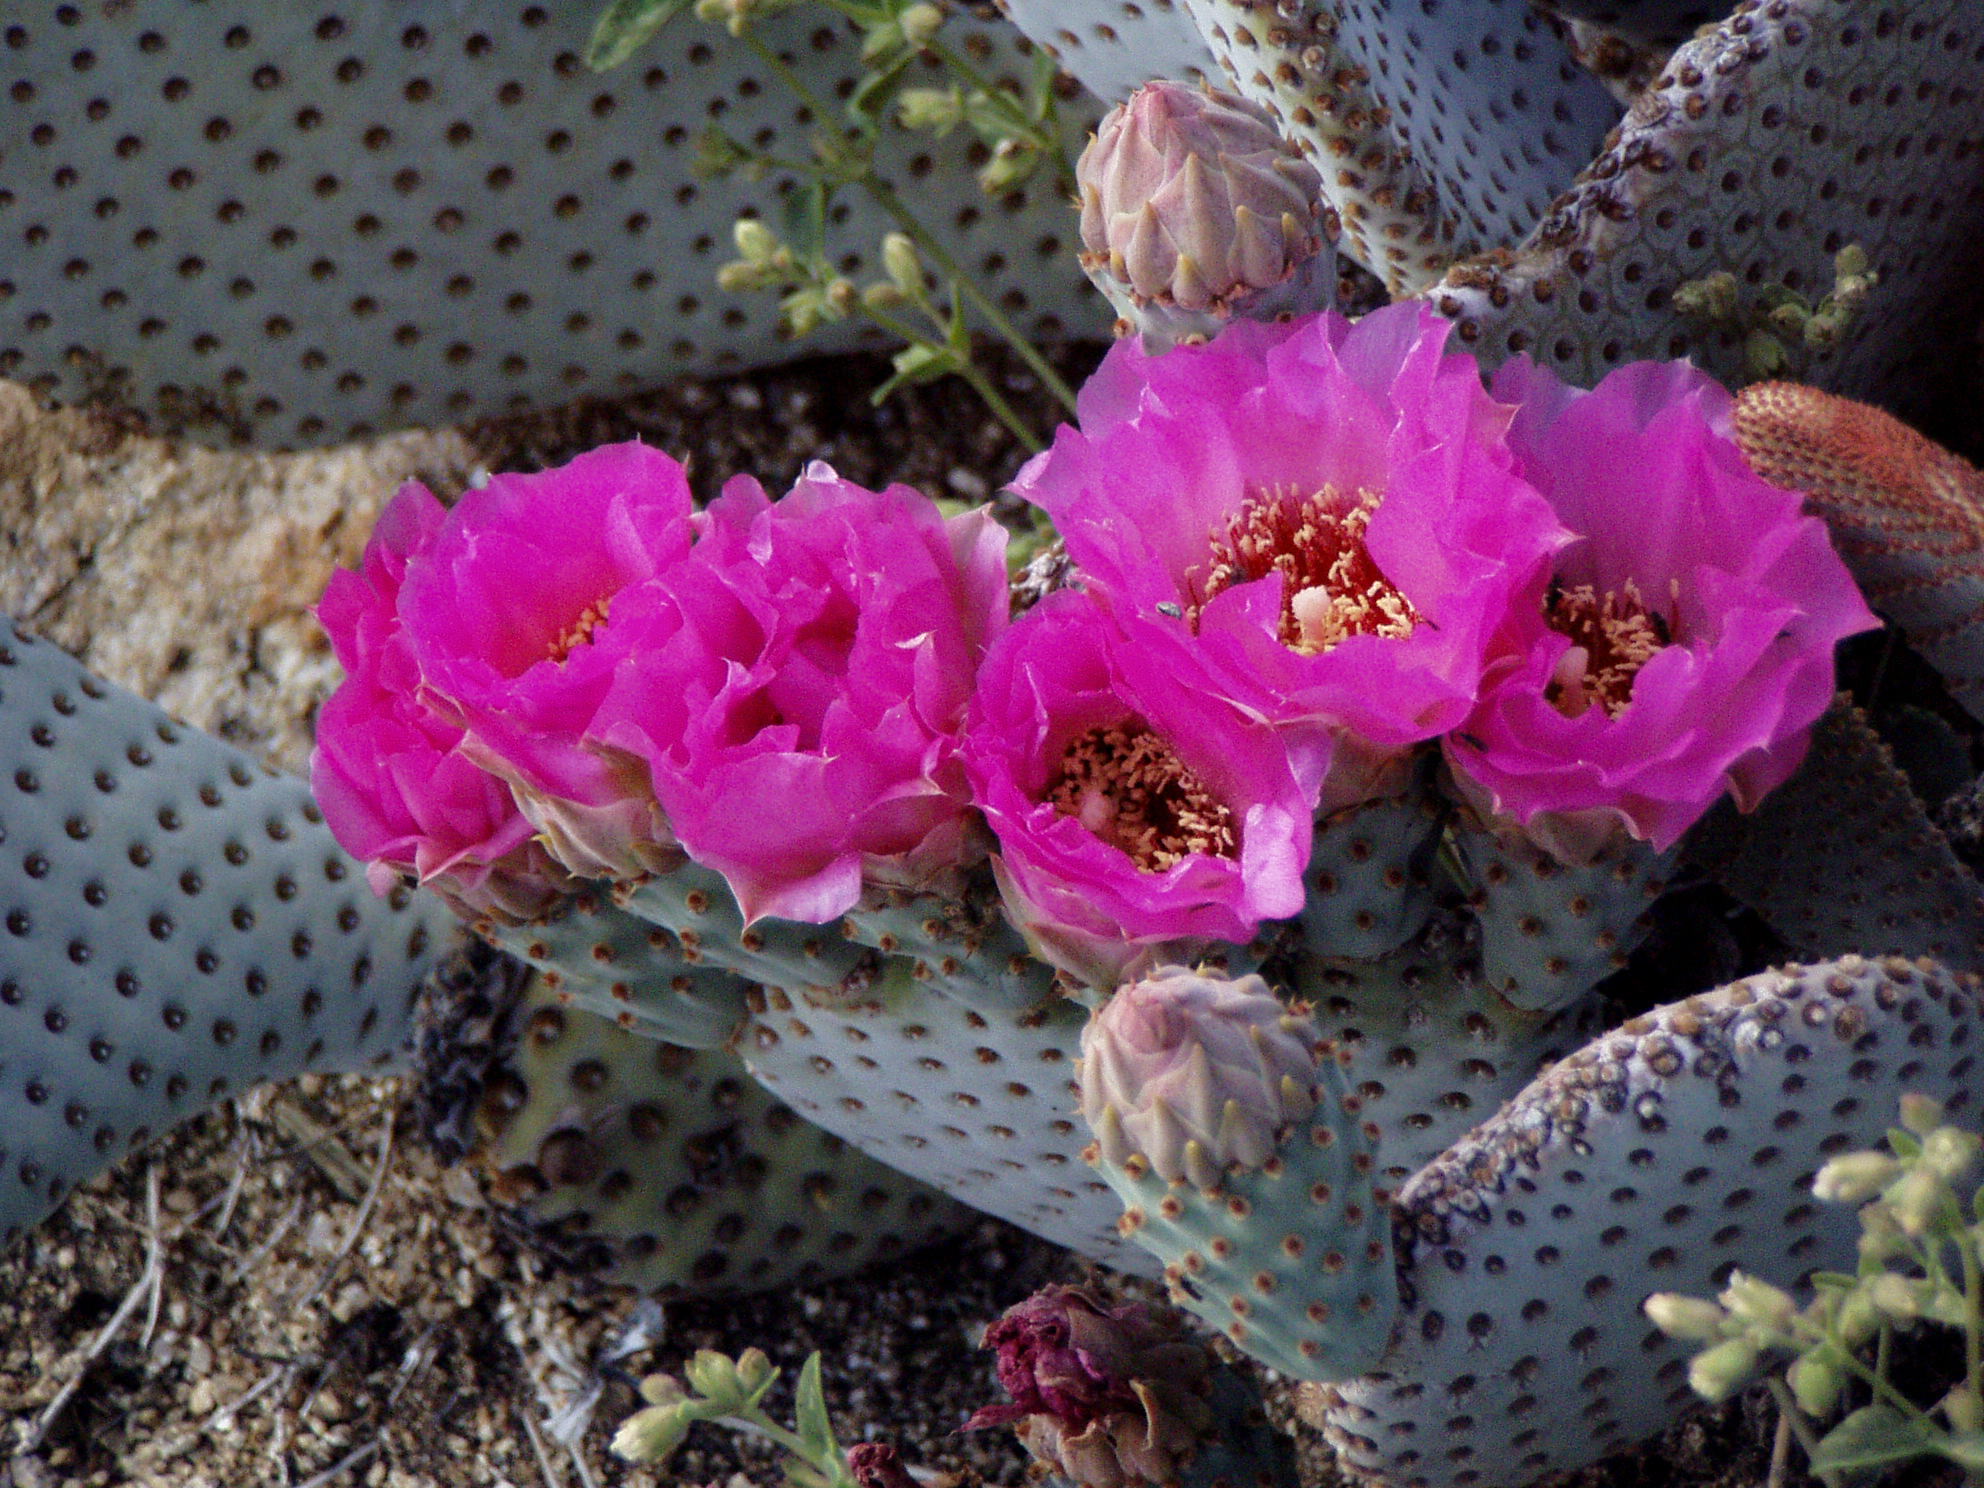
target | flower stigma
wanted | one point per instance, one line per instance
(1331, 587)
(1128, 787)
(1613, 637)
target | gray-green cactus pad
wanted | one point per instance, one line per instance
(179, 924)
(1113, 47)
(1486, 100)
(670, 1169)
(979, 1104)
(287, 224)
(1843, 854)
(607, 961)
(1655, 1160)
(1427, 1048)
(1792, 130)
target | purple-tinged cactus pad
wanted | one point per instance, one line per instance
(1654, 1160)
(178, 925)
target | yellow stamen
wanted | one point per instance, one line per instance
(579, 632)
(1128, 787)
(1615, 635)
(1330, 587)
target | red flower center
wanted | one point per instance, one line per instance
(579, 632)
(1613, 636)
(1331, 589)
(1128, 787)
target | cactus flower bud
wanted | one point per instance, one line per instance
(1195, 1072)
(1195, 210)
(1717, 1372)
(1682, 1316)
(1855, 1177)
(1105, 1397)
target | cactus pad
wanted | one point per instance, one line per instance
(1843, 854)
(1369, 875)
(178, 924)
(298, 223)
(594, 956)
(979, 1104)
(670, 1169)
(1794, 129)
(1656, 1159)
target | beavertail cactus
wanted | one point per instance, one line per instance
(1115, 1397)
(1196, 1073)
(1195, 211)
(181, 925)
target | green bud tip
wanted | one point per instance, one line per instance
(1815, 1382)
(754, 240)
(904, 265)
(1756, 1303)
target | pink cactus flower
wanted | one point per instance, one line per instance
(1684, 647)
(533, 592)
(1328, 509)
(1134, 813)
(799, 706)
(396, 788)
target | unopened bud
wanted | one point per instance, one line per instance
(1858, 1319)
(1718, 1371)
(1714, 297)
(842, 297)
(714, 1377)
(1855, 1177)
(1920, 1114)
(1764, 354)
(1682, 1316)
(754, 240)
(1915, 1199)
(937, 109)
(1789, 319)
(1892, 1296)
(1822, 330)
(754, 1369)
(1950, 1152)
(882, 296)
(1850, 262)
(921, 22)
(1964, 1410)
(738, 277)
(1755, 1302)
(904, 266)
(651, 1435)
(1011, 163)
(1815, 1383)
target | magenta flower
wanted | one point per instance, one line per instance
(1133, 811)
(1330, 509)
(1685, 645)
(799, 701)
(533, 592)
(396, 788)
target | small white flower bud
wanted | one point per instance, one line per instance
(1682, 1316)
(1920, 1114)
(1717, 1372)
(1815, 1383)
(1855, 1177)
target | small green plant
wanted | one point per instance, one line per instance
(729, 1392)
(1018, 124)
(1922, 1224)
(1781, 330)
